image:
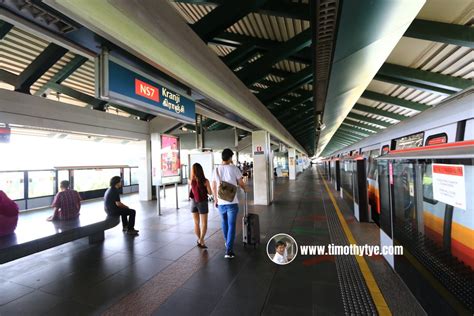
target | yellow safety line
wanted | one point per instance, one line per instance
(379, 300)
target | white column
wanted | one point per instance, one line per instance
(144, 180)
(292, 163)
(261, 168)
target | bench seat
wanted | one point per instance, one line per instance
(35, 234)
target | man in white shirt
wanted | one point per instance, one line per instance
(281, 256)
(227, 172)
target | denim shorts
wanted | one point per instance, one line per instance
(201, 207)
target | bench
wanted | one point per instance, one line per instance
(35, 234)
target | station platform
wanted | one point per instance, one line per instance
(162, 272)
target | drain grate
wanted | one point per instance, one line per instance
(355, 294)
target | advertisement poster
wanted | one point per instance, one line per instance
(449, 184)
(170, 164)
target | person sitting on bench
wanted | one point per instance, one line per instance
(66, 203)
(113, 206)
(8, 214)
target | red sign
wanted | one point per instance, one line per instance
(437, 140)
(147, 90)
(449, 170)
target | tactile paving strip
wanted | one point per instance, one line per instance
(355, 294)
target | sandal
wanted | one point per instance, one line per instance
(200, 245)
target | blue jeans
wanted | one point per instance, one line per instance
(229, 216)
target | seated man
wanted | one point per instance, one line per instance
(281, 256)
(113, 206)
(66, 203)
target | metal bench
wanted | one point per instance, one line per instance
(35, 234)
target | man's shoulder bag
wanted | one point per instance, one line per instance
(226, 190)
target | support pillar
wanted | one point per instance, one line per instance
(144, 181)
(292, 163)
(261, 168)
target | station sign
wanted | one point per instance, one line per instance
(121, 83)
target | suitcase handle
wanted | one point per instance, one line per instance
(245, 205)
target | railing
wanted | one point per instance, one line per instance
(37, 188)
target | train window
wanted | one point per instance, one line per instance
(410, 141)
(436, 139)
(428, 185)
(385, 150)
(404, 200)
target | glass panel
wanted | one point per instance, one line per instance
(134, 178)
(40, 183)
(93, 179)
(62, 175)
(384, 187)
(126, 176)
(404, 200)
(12, 184)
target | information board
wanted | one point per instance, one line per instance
(125, 85)
(449, 184)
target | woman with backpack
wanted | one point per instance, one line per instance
(200, 188)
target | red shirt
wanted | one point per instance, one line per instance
(67, 204)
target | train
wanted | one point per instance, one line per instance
(415, 181)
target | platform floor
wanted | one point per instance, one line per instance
(162, 272)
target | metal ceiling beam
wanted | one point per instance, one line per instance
(371, 110)
(354, 130)
(461, 35)
(264, 45)
(349, 135)
(38, 67)
(262, 66)
(224, 16)
(341, 141)
(364, 126)
(287, 85)
(422, 79)
(275, 7)
(303, 124)
(94, 102)
(297, 118)
(369, 119)
(239, 55)
(5, 27)
(64, 73)
(296, 110)
(304, 97)
(371, 95)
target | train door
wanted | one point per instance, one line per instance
(385, 171)
(373, 187)
(359, 180)
(337, 178)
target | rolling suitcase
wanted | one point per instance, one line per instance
(250, 227)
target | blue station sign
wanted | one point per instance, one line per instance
(129, 87)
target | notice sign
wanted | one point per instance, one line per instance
(449, 184)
